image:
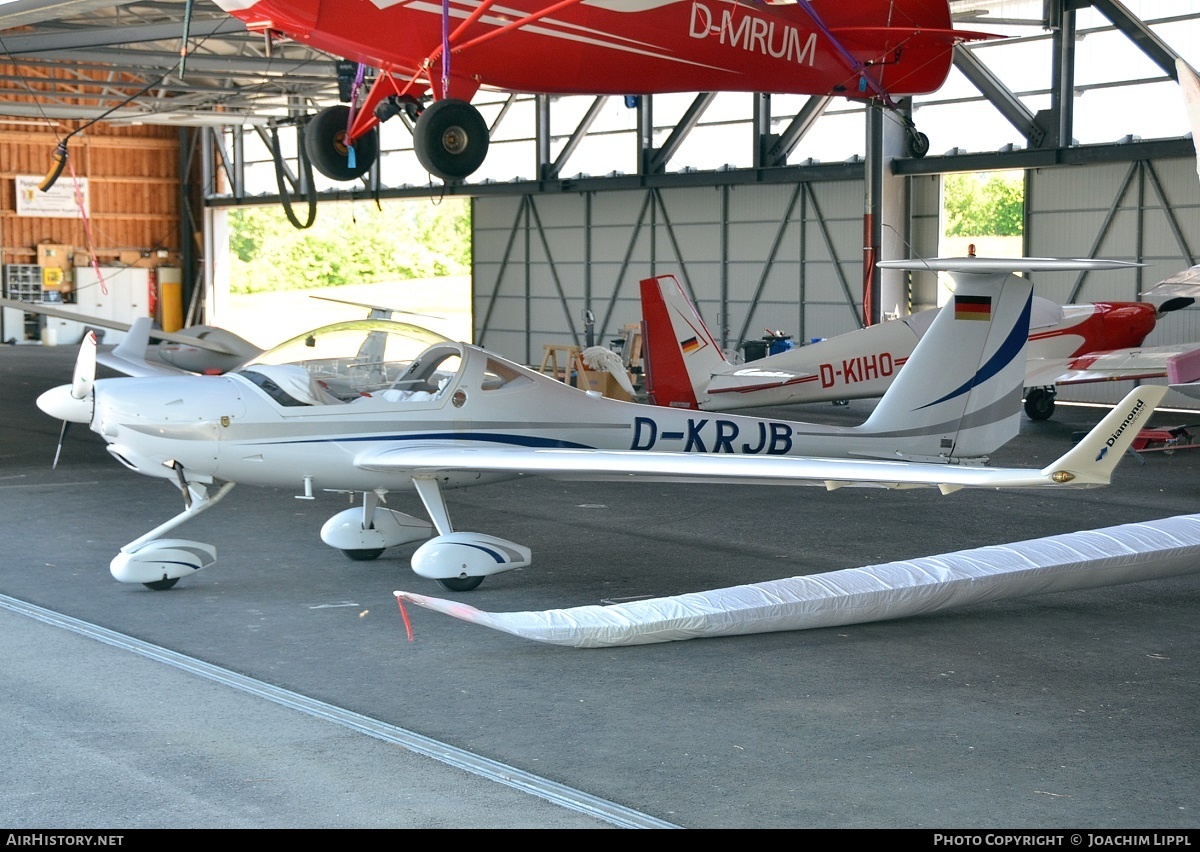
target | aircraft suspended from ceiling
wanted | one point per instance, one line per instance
(869, 50)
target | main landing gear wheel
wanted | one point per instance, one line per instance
(450, 139)
(1039, 404)
(365, 555)
(460, 584)
(325, 144)
(162, 585)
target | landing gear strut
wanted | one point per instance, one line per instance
(918, 142)
(159, 563)
(460, 560)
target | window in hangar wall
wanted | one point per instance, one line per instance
(982, 212)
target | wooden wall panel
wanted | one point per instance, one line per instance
(133, 187)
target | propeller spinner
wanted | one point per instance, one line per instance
(74, 403)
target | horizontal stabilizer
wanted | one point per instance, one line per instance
(1006, 264)
(376, 311)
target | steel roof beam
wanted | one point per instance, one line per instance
(75, 39)
(1000, 96)
(785, 143)
(1140, 34)
(24, 13)
(658, 158)
(199, 62)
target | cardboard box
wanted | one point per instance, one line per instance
(604, 382)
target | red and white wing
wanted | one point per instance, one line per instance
(1145, 362)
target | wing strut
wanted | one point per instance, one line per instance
(919, 142)
(864, 81)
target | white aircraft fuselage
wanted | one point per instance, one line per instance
(862, 363)
(348, 409)
(227, 428)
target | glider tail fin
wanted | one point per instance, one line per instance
(129, 356)
(959, 394)
(680, 353)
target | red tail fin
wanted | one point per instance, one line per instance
(667, 380)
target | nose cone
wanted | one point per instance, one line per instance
(1129, 324)
(61, 404)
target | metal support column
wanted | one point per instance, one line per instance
(872, 214)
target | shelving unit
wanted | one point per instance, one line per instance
(23, 282)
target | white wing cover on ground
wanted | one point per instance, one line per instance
(1081, 560)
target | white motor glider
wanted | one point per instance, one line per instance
(375, 407)
(195, 349)
(206, 349)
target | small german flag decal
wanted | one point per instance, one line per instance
(973, 308)
(690, 345)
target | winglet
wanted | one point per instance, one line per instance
(1091, 461)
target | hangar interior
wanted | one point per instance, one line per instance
(770, 209)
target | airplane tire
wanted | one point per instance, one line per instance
(918, 144)
(162, 585)
(325, 144)
(460, 584)
(364, 555)
(450, 139)
(1039, 405)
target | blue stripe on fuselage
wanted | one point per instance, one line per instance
(484, 437)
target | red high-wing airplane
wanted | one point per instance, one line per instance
(863, 49)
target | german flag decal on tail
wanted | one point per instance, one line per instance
(973, 308)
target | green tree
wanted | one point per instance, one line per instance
(349, 244)
(980, 205)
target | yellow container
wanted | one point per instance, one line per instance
(170, 305)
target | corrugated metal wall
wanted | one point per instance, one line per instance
(1147, 211)
(789, 257)
(786, 257)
